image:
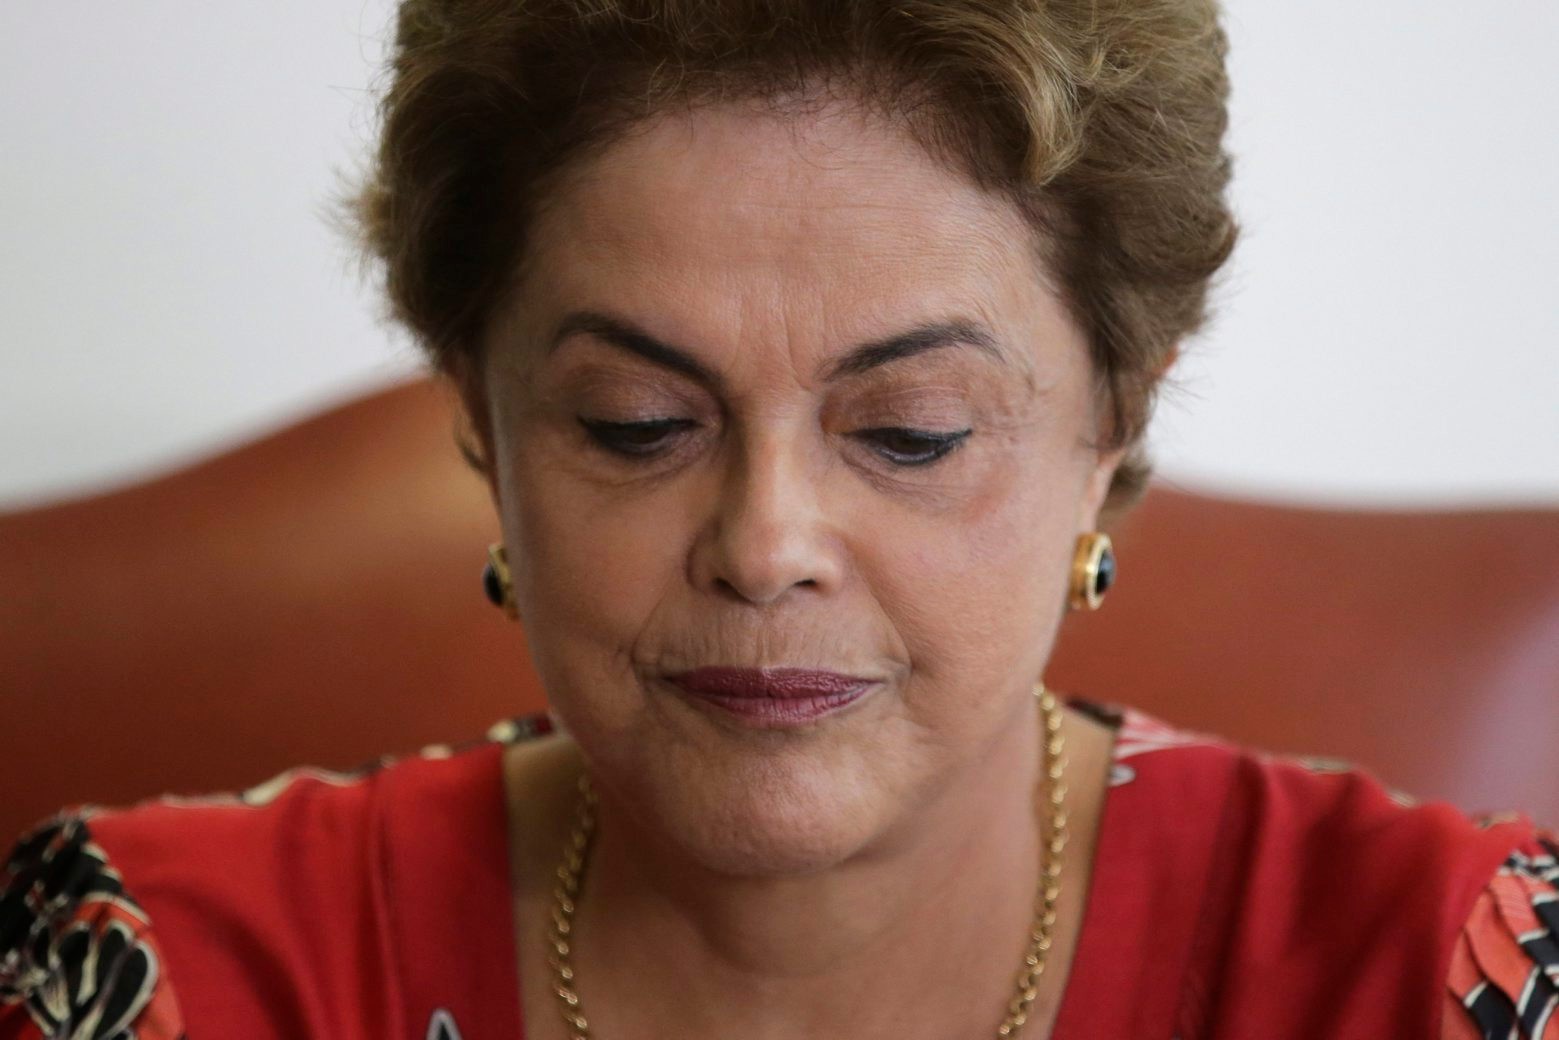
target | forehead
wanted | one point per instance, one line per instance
(829, 225)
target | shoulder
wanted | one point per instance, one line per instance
(115, 916)
(1305, 805)
(1328, 827)
(1352, 893)
(257, 903)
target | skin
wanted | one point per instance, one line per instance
(871, 874)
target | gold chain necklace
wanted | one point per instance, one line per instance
(576, 852)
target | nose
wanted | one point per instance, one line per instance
(768, 531)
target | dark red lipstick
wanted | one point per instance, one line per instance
(772, 697)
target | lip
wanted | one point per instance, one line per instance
(772, 697)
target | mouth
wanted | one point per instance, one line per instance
(771, 698)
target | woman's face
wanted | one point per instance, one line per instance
(784, 392)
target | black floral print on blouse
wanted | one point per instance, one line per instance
(70, 946)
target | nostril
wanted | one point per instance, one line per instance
(760, 593)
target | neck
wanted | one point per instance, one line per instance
(911, 936)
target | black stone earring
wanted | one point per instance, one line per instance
(497, 583)
(1093, 571)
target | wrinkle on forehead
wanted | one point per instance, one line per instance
(730, 221)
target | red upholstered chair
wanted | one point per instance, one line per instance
(314, 597)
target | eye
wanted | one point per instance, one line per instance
(905, 447)
(636, 439)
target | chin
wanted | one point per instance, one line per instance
(758, 841)
(760, 815)
(747, 802)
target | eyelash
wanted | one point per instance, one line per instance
(620, 437)
(932, 445)
(626, 439)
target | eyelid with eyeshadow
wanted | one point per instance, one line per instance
(644, 439)
(924, 447)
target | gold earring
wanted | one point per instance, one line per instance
(497, 583)
(1093, 571)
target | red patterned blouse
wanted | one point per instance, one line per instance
(1236, 895)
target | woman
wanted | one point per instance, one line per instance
(804, 345)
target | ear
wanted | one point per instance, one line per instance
(1097, 489)
(1102, 476)
(474, 420)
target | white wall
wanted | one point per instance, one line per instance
(1388, 329)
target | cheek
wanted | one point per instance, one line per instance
(587, 576)
(977, 594)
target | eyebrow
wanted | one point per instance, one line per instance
(926, 336)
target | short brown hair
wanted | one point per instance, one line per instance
(1102, 119)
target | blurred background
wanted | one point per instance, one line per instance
(170, 285)
(1353, 549)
